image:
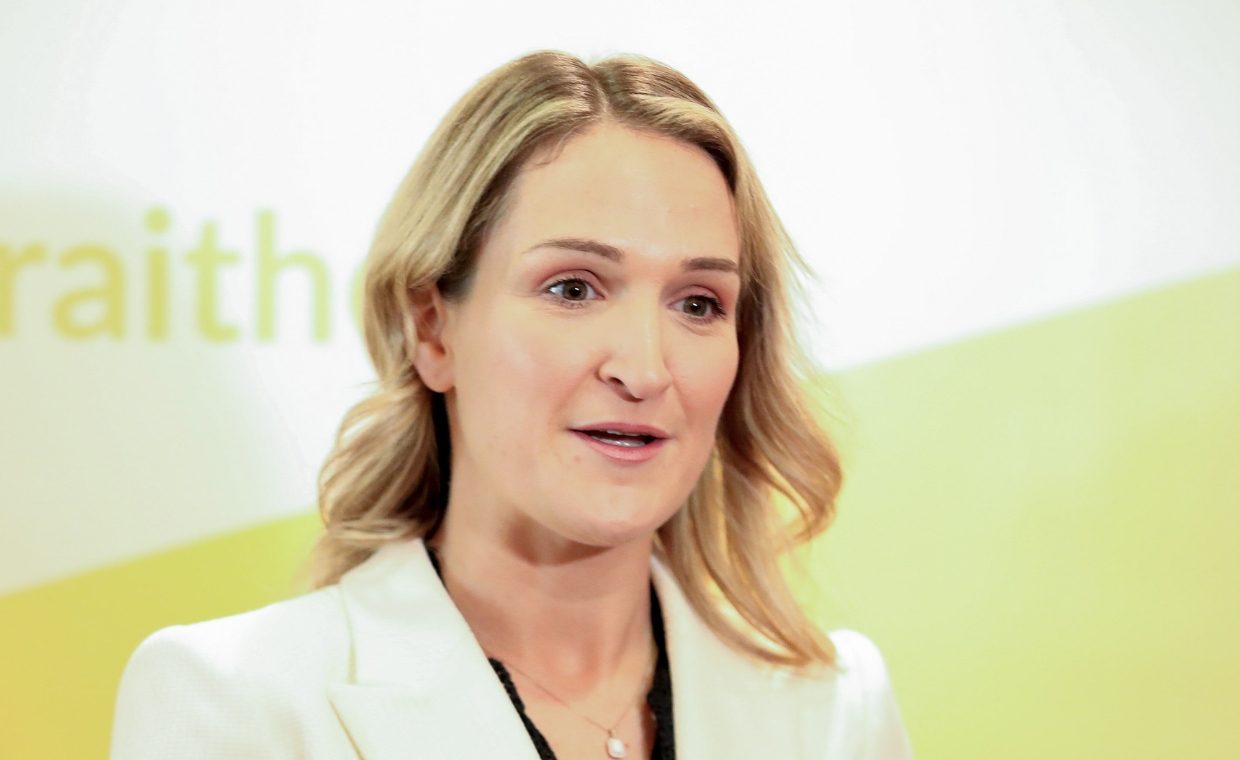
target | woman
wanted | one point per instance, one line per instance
(551, 531)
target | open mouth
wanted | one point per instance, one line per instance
(616, 438)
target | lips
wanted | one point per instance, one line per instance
(622, 433)
(616, 438)
(625, 442)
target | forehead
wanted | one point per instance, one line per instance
(653, 195)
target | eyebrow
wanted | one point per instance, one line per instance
(612, 253)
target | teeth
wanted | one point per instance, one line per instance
(616, 438)
(631, 435)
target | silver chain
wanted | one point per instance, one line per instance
(609, 731)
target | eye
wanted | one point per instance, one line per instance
(703, 308)
(573, 289)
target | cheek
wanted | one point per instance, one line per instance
(520, 370)
(706, 376)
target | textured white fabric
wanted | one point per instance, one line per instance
(382, 666)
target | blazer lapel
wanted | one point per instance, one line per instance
(726, 705)
(420, 685)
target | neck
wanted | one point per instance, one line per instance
(572, 613)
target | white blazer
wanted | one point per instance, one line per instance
(382, 666)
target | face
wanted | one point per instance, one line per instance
(602, 300)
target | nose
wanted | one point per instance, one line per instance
(636, 364)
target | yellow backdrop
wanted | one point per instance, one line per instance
(1038, 529)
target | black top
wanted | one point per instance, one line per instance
(659, 698)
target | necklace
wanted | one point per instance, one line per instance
(615, 746)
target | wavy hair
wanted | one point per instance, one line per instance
(388, 476)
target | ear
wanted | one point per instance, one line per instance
(431, 352)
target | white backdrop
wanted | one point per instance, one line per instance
(946, 168)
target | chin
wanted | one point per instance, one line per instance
(610, 536)
(605, 532)
(610, 516)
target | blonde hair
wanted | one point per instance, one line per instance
(387, 478)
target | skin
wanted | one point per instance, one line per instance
(546, 543)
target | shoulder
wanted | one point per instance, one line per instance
(864, 697)
(234, 681)
(858, 674)
(277, 641)
(859, 662)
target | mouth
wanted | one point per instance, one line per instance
(617, 438)
(623, 442)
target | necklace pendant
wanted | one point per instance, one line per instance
(615, 747)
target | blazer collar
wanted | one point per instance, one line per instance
(419, 679)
